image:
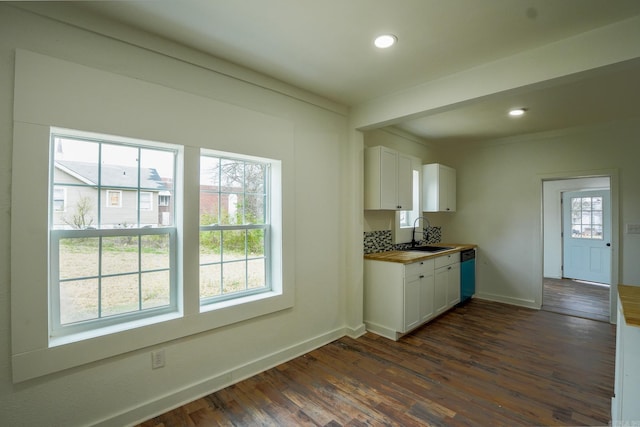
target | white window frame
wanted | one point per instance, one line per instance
(59, 330)
(107, 202)
(265, 226)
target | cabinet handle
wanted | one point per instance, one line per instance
(399, 207)
(449, 268)
(422, 276)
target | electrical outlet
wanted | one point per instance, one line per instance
(157, 359)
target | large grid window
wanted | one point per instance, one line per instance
(586, 218)
(109, 266)
(234, 227)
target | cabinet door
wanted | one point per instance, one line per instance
(388, 179)
(440, 290)
(439, 188)
(448, 189)
(405, 182)
(453, 284)
(427, 286)
(412, 302)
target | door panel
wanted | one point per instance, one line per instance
(587, 235)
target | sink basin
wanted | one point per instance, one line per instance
(429, 248)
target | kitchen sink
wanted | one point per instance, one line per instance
(429, 248)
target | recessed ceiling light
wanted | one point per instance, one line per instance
(384, 41)
(517, 112)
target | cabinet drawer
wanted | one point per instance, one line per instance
(418, 268)
(445, 260)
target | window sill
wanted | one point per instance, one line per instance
(110, 330)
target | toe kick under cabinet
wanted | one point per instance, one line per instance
(400, 297)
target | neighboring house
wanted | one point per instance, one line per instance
(76, 201)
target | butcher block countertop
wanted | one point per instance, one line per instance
(407, 257)
(630, 299)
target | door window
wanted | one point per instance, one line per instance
(586, 218)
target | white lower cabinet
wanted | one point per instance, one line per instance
(447, 282)
(400, 297)
(625, 409)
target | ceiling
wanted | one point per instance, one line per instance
(325, 47)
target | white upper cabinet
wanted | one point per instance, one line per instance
(439, 188)
(388, 181)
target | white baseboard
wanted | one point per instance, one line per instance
(508, 300)
(177, 398)
(356, 332)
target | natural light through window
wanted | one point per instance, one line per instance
(113, 245)
(407, 218)
(234, 227)
(586, 218)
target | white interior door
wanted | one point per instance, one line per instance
(586, 219)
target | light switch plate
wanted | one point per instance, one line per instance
(633, 228)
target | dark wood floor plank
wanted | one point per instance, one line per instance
(480, 364)
(575, 298)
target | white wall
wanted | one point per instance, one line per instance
(499, 191)
(123, 389)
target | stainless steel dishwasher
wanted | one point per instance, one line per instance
(467, 274)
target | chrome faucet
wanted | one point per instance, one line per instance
(413, 233)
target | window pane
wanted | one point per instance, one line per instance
(233, 244)
(80, 211)
(146, 199)
(78, 300)
(576, 231)
(156, 288)
(231, 209)
(234, 276)
(119, 294)
(597, 217)
(124, 215)
(78, 257)
(209, 190)
(210, 281)
(255, 243)
(155, 252)
(119, 167)
(231, 175)
(210, 172)
(256, 273)
(255, 178)
(76, 150)
(210, 246)
(254, 209)
(120, 255)
(157, 169)
(576, 203)
(597, 232)
(59, 198)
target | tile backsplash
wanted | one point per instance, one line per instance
(381, 241)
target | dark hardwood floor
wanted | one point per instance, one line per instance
(482, 364)
(574, 298)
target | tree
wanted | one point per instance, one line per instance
(82, 218)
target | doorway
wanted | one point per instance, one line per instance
(577, 264)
